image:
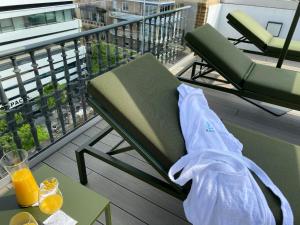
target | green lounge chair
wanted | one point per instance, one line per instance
(139, 100)
(260, 37)
(251, 80)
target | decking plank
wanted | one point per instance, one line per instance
(102, 124)
(60, 162)
(91, 132)
(81, 139)
(132, 203)
(111, 139)
(120, 217)
(135, 185)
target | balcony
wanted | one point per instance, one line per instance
(44, 108)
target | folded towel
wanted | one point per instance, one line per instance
(59, 218)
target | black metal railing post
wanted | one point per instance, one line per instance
(81, 80)
(159, 38)
(43, 100)
(131, 39)
(108, 59)
(57, 93)
(68, 84)
(124, 53)
(99, 53)
(154, 37)
(116, 46)
(289, 37)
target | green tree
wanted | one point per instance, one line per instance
(24, 132)
(7, 143)
(111, 47)
(49, 90)
(27, 138)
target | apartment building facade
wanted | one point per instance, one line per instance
(29, 22)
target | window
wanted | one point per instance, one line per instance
(68, 15)
(59, 16)
(35, 20)
(102, 18)
(150, 9)
(19, 23)
(6, 25)
(165, 8)
(50, 17)
(274, 28)
(125, 6)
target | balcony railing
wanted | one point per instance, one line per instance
(43, 85)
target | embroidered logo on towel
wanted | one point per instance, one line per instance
(209, 127)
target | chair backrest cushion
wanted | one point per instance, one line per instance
(220, 53)
(250, 28)
(141, 97)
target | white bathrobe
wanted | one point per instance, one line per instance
(223, 190)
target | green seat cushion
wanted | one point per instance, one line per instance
(142, 97)
(275, 83)
(220, 53)
(249, 28)
(280, 160)
(276, 45)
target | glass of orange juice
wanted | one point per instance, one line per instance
(23, 218)
(50, 197)
(15, 162)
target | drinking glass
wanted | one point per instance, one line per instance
(23, 218)
(15, 162)
(50, 197)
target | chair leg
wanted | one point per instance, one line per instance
(193, 70)
(108, 215)
(81, 167)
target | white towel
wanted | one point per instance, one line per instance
(223, 190)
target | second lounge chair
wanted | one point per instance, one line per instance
(260, 37)
(251, 80)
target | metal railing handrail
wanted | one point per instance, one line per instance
(71, 37)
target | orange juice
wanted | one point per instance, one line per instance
(51, 204)
(27, 190)
(23, 218)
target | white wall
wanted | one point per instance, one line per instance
(262, 14)
(213, 15)
(280, 4)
